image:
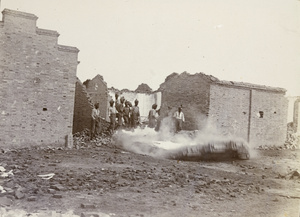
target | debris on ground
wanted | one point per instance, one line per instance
(291, 175)
(83, 139)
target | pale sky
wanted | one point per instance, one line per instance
(130, 42)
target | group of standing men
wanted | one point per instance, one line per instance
(122, 113)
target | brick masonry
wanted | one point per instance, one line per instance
(229, 110)
(269, 128)
(37, 85)
(82, 109)
(97, 90)
(257, 115)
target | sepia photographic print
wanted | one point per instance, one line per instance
(149, 108)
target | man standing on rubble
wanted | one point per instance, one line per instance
(95, 121)
(135, 114)
(179, 119)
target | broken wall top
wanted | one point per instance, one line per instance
(213, 80)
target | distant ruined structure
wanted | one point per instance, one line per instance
(254, 112)
(37, 83)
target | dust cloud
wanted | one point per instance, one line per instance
(166, 144)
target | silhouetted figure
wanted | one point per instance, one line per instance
(135, 119)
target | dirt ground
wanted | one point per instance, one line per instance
(106, 181)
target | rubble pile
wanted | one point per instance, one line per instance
(83, 139)
(292, 140)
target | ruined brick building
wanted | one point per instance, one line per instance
(254, 112)
(37, 85)
(97, 90)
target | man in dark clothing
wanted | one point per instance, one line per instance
(135, 114)
(126, 114)
(120, 110)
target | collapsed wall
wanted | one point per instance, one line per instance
(189, 91)
(37, 83)
(82, 109)
(97, 90)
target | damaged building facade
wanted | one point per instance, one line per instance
(45, 102)
(256, 113)
(37, 86)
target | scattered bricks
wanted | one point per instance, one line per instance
(5, 201)
(32, 198)
(202, 183)
(51, 191)
(19, 194)
(99, 214)
(89, 215)
(88, 206)
(57, 187)
(51, 164)
(57, 196)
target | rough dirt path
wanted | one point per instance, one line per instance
(118, 183)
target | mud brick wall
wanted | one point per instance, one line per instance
(97, 90)
(190, 91)
(229, 110)
(268, 118)
(82, 109)
(37, 83)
